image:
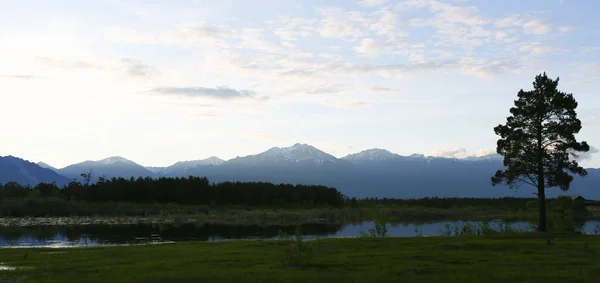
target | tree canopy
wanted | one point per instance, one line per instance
(191, 190)
(538, 141)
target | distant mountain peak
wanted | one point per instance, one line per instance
(297, 153)
(114, 160)
(182, 168)
(372, 154)
(493, 156)
(46, 165)
(213, 160)
(24, 172)
(417, 155)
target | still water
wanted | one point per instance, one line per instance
(105, 235)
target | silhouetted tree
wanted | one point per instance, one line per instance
(538, 140)
(87, 177)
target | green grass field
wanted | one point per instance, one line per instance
(524, 257)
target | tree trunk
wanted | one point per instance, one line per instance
(542, 208)
(540, 179)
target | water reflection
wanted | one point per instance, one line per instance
(96, 235)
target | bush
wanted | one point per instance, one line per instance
(297, 251)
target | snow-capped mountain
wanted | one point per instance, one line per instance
(115, 160)
(114, 166)
(490, 157)
(369, 173)
(374, 154)
(299, 154)
(183, 168)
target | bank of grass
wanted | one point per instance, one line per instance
(523, 257)
(53, 211)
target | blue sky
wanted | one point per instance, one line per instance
(163, 81)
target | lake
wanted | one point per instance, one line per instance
(107, 235)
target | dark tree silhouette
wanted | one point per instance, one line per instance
(538, 141)
(87, 177)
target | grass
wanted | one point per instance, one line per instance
(519, 257)
(123, 213)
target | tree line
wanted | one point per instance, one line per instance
(190, 190)
(444, 203)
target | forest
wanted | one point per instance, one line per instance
(191, 191)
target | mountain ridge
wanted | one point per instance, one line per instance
(27, 173)
(369, 173)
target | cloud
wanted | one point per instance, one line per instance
(337, 23)
(484, 68)
(372, 3)
(345, 104)
(311, 69)
(537, 49)
(293, 28)
(136, 68)
(461, 153)
(332, 56)
(322, 89)
(66, 64)
(222, 93)
(585, 156)
(387, 25)
(18, 77)
(531, 25)
(383, 90)
(373, 47)
(125, 67)
(189, 33)
(253, 39)
(537, 27)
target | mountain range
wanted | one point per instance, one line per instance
(369, 173)
(14, 169)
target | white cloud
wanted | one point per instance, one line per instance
(293, 28)
(374, 48)
(457, 14)
(537, 49)
(484, 68)
(537, 27)
(252, 39)
(387, 25)
(338, 23)
(531, 25)
(411, 4)
(345, 104)
(221, 93)
(332, 56)
(461, 153)
(383, 90)
(372, 3)
(585, 156)
(336, 28)
(318, 90)
(190, 33)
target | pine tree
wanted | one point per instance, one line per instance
(538, 141)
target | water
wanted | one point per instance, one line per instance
(106, 235)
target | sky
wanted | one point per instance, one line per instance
(163, 81)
